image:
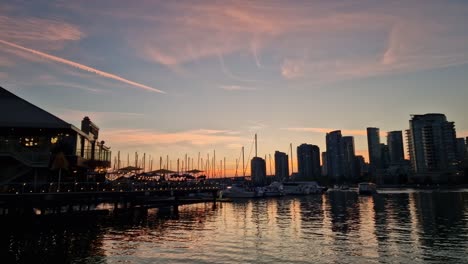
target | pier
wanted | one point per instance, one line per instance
(53, 198)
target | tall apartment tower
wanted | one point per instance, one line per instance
(308, 162)
(258, 171)
(349, 155)
(395, 146)
(335, 155)
(431, 143)
(461, 149)
(281, 166)
(324, 164)
(373, 143)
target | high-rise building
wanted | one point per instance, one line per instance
(349, 155)
(373, 143)
(361, 167)
(335, 155)
(281, 166)
(324, 164)
(308, 162)
(384, 156)
(431, 143)
(395, 146)
(258, 171)
(461, 149)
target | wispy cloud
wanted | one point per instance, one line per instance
(237, 88)
(292, 69)
(80, 66)
(255, 126)
(99, 117)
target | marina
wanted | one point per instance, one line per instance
(395, 226)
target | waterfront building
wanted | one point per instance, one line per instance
(373, 143)
(308, 162)
(335, 156)
(461, 149)
(31, 139)
(349, 159)
(395, 146)
(432, 147)
(281, 166)
(258, 171)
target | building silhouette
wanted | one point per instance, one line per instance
(308, 162)
(461, 149)
(335, 156)
(281, 166)
(375, 153)
(361, 166)
(32, 140)
(384, 156)
(258, 171)
(324, 164)
(432, 146)
(349, 155)
(395, 146)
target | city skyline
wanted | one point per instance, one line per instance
(173, 78)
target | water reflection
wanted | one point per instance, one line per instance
(339, 227)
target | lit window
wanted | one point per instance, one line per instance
(53, 140)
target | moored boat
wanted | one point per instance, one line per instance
(367, 188)
(239, 191)
(302, 188)
(275, 189)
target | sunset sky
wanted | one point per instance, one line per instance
(176, 77)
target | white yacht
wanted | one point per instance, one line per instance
(302, 188)
(239, 191)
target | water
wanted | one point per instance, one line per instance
(398, 226)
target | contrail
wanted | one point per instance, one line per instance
(81, 67)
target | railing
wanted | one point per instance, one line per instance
(99, 154)
(105, 187)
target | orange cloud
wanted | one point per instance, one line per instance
(123, 137)
(350, 132)
(80, 66)
(463, 133)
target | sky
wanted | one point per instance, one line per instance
(169, 78)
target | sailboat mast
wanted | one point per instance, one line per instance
(292, 161)
(255, 145)
(243, 161)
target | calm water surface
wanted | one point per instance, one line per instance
(398, 226)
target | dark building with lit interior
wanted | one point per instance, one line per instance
(35, 144)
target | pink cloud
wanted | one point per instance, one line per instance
(47, 33)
